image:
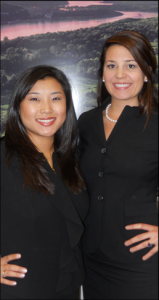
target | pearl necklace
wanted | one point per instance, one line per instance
(106, 113)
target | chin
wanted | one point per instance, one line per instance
(47, 134)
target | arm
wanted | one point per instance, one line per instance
(8, 270)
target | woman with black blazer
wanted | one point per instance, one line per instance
(43, 197)
(119, 160)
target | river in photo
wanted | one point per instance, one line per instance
(86, 3)
(13, 31)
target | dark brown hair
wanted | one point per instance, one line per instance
(19, 144)
(143, 53)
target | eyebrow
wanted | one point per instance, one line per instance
(125, 60)
(36, 93)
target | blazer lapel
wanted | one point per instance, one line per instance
(65, 204)
(98, 126)
(126, 115)
(97, 122)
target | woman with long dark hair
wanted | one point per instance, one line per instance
(119, 160)
(43, 197)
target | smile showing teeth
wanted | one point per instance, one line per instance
(45, 121)
(122, 84)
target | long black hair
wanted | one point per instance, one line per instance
(143, 53)
(19, 144)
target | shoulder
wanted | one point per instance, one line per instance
(154, 115)
(153, 120)
(3, 161)
(150, 131)
(86, 117)
(87, 114)
(5, 169)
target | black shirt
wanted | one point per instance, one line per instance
(45, 229)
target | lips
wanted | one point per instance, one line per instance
(121, 86)
(46, 122)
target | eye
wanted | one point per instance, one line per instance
(56, 98)
(131, 66)
(34, 99)
(111, 66)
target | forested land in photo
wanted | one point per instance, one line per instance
(58, 10)
(76, 52)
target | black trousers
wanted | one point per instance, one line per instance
(105, 280)
(75, 295)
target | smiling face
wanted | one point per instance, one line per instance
(123, 77)
(43, 110)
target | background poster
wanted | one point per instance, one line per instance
(68, 35)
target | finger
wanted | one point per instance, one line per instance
(150, 253)
(14, 274)
(138, 238)
(8, 282)
(139, 226)
(14, 268)
(138, 247)
(10, 257)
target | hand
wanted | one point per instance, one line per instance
(151, 235)
(9, 270)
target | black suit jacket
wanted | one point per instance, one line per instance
(46, 230)
(121, 176)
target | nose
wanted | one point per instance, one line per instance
(46, 107)
(120, 73)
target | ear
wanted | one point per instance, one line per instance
(145, 77)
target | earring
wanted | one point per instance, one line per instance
(103, 80)
(146, 80)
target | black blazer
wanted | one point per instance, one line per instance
(121, 177)
(46, 230)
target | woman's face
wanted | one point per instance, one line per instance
(123, 77)
(43, 110)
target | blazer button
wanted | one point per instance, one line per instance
(103, 150)
(100, 174)
(100, 198)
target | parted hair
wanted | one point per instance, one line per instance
(144, 55)
(19, 144)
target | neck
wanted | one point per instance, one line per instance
(43, 144)
(117, 106)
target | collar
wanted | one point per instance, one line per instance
(97, 121)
